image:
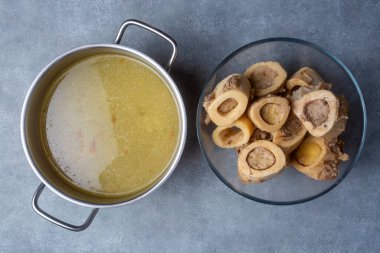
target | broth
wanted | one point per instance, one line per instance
(110, 125)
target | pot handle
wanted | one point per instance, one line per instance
(153, 30)
(57, 221)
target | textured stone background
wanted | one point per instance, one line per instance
(193, 211)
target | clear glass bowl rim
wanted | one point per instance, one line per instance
(323, 51)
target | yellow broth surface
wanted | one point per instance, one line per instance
(110, 125)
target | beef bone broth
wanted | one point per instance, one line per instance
(110, 125)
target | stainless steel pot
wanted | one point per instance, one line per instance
(30, 118)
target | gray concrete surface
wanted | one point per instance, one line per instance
(193, 211)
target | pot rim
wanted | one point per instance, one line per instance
(181, 108)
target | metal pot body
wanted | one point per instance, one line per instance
(31, 139)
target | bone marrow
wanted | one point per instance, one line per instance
(233, 135)
(266, 77)
(318, 111)
(269, 113)
(227, 105)
(260, 158)
(304, 77)
(229, 100)
(318, 158)
(259, 161)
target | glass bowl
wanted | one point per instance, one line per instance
(290, 187)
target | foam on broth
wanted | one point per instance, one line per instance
(110, 125)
